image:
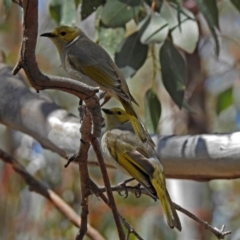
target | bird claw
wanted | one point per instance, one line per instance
(138, 192)
(124, 186)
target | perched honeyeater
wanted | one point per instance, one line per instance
(86, 61)
(126, 152)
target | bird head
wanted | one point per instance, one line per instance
(115, 117)
(63, 35)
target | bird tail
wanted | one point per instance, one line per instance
(137, 124)
(167, 205)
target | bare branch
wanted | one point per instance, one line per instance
(83, 169)
(219, 233)
(200, 157)
(58, 202)
(99, 192)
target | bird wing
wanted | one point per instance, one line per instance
(100, 68)
(130, 156)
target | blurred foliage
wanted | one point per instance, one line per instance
(151, 44)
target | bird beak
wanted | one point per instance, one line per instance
(107, 111)
(49, 34)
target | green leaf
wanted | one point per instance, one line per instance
(7, 5)
(224, 100)
(116, 13)
(209, 9)
(88, 7)
(152, 110)
(156, 31)
(68, 14)
(184, 28)
(236, 3)
(173, 72)
(131, 54)
(55, 8)
(110, 38)
(63, 12)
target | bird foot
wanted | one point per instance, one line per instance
(137, 191)
(124, 186)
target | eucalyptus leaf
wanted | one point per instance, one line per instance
(224, 100)
(173, 72)
(156, 31)
(55, 10)
(68, 13)
(210, 11)
(88, 7)
(184, 28)
(131, 54)
(110, 38)
(153, 110)
(116, 13)
(236, 3)
(187, 36)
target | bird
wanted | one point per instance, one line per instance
(86, 61)
(126, 152)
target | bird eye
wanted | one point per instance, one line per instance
(119, 113)
(63, 33)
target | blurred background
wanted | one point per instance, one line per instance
(211, 89)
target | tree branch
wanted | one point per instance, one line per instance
(198, 157)
(58, 202)
(83, 169)
(219, 233)
(99, 192)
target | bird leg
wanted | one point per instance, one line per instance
(124, 185)
(138, 192)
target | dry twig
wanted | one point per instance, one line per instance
(83, 169)
(99, 192)
(219, 233)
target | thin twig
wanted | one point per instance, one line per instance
(219, 233)
(98, 192)
(58, 202)
(112, 204)
(83, 169)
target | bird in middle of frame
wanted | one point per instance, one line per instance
(126, 152)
